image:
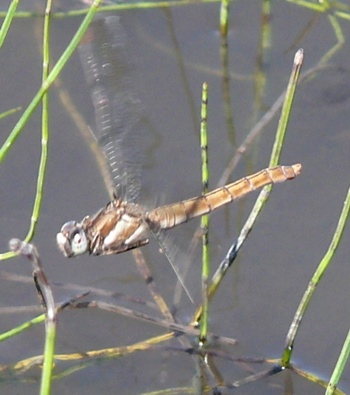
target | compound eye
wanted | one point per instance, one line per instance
(79, 244)
(72, 239)
(69, 227)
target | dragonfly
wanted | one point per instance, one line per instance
(124, 224)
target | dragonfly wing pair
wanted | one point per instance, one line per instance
(117, 108)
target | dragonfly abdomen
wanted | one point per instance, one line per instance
(166, 217)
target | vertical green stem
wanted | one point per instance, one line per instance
(50, 333)
(50, 341)
(224, 12)
(44, 127)
(205, 218)
(261, 59)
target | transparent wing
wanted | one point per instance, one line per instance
(178, 259)
(118, 115)
(117, 110)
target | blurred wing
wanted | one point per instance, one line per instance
(117, 110)
(178, 260)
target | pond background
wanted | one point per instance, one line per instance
(173, 52)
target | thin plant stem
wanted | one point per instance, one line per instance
(286, 109)
(260, 78)
(224, 13)
(151, 284)
(343, 15)
(205, 218)
(261, 124)
(44, 132)
(20, 328)
(324, 6)
(49, 357)
(339, 367)
(10, 112)
(226, 81)
(264, 194)
(8, 20)
(39, 319)
(47, 300)
(338, 35)
(51, 319)
(316, 278)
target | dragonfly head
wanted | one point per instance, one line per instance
(72, 239)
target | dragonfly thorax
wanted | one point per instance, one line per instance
(118, 227)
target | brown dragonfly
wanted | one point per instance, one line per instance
(124, 224)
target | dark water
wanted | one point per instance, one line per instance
(174, 51)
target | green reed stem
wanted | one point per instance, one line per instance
(10, 112)
(320, 7)
(286, 109)
(314, 282)
(50, 327)
(339, 37)
(260, 75)
(337, 8)
(20, 328)
(224, 14)
(343, 15)
(278, 143)
(7, 21)
(264, 194)
(204, 218)
(44, 131)
(49, 356)
(274, 159)
(339, 367)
